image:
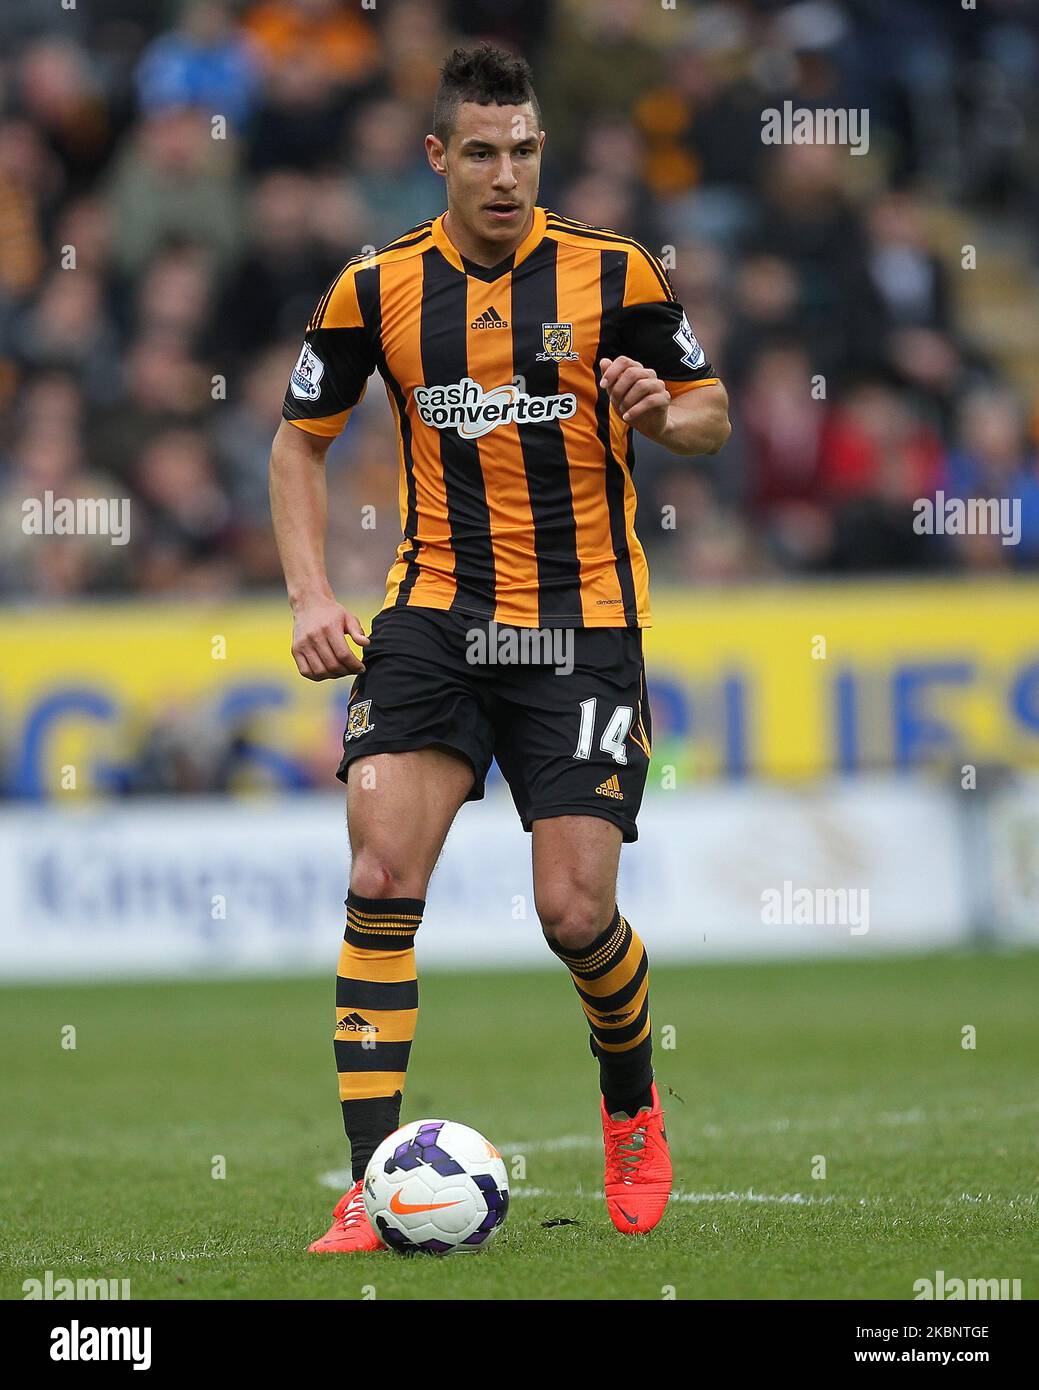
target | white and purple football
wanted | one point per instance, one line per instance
(436, 1187)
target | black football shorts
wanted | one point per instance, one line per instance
(564, 711)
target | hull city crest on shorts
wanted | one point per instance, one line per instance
(357, 720)
(557, 340)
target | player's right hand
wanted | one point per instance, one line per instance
(319, 645)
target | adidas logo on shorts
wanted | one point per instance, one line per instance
(611, 787)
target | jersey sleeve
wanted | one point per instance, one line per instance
(653, 328)
(337, 358)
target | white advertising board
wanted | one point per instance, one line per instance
(214, 887)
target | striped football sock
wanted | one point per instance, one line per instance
(376, 1012)
(611, 976)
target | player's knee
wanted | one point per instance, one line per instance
(571, 920)
(373, 875)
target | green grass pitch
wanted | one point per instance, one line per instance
(930, 1148)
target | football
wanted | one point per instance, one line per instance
(436, 1187)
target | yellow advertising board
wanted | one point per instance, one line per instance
(781, 681)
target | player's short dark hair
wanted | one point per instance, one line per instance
(486, 75)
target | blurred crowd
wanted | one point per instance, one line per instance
(180, 181)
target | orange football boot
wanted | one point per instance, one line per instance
(351, 1233)
(638, 1168)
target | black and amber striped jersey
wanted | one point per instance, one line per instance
(515, 482)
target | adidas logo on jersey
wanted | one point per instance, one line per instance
(611, 787)
(490, 318)
(466, 407)
(355, 1023)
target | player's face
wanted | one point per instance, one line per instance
(492, 164)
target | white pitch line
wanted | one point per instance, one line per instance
(549, 1146)
(340, 1179)
(797, 1199)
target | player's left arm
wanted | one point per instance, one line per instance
(694, 422)
(657, 375)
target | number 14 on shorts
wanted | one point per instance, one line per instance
(616, 731)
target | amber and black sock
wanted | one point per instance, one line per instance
(376, 1013)
(611, 976)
